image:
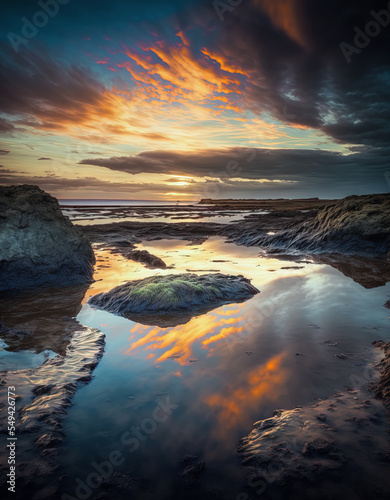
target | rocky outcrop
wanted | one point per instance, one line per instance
(337, 436)
(38, 245)
(146, 258)
(173, 299)
(191, 468)
(354, 225)
(304, 447)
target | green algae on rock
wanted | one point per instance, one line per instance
(174, 295)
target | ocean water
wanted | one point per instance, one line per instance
(123, 203)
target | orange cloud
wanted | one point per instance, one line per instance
(285, 15)
(175, 74)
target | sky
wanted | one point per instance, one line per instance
(183, 100)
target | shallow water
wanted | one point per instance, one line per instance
(27, 358)
(85, 216)
(221, 371)
(224, 370)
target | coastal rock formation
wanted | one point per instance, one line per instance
(150, 260)
(38, 245)
(304, 447)
(353, 225)
(338, 435)
(173, 299)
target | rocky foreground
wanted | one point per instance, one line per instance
(173, 299)
(303, 447)
(38, 245)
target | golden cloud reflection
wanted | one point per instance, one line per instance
(266, 381)
(181, 342)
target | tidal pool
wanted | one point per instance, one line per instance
(159, 394)
(221, 371)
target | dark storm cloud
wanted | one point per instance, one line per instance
(241, 162)
(313, 169)
(291, 50)
(53, 183)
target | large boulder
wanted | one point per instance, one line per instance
(173, 299)
(38, 245)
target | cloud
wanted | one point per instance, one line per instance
(39, 92)
(6, 126)
(316, 170)
(4, 151)
(291, 50)
(187, 82)
(44, 158)
(54, 183)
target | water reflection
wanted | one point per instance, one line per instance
(264, 382)
(224, 370)
(179, 342)
(47, 315)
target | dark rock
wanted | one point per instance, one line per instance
(53, 386)
(173, 295)
(49, 440)
(330, 343)
(38, 245)
(308, 444)
(147, 258)
(190, 468)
